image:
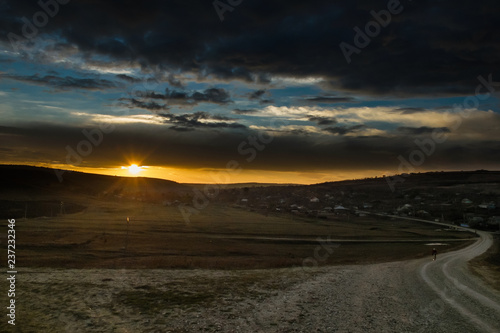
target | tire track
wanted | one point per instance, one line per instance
(450, 280)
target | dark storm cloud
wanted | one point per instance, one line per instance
(444, 107)
(212, 95)
(266, 101)
(409, 110)
(285, 34)
(179, 97)
(221, 117)
(429, 48)
(63, 83)
(327, 99)
(341, 130)
(174, 82)
(421, 130)
(133, 103)
(150, 94)
(148, 99)
(322, 120)
(256, 94)
(191, 147)
(191, 121)
(128, 78)
(244, 111)
(260, 95)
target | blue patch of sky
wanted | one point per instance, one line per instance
(293, 96)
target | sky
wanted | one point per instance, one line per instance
(250, 91)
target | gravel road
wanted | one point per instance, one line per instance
(450, 279)
(408, 296)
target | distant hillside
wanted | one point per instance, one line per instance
(241, 185)
(28, 180)
(427, 179)
(470, 198)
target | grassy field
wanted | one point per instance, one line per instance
(217, 237)
(160, 269)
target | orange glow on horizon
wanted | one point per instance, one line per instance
(221, 176)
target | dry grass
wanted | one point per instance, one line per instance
(218, 237)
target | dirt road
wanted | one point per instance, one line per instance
(413, 296)
(407, 296)
(449, 278)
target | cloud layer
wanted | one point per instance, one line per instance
(185, 89)
(416, 53)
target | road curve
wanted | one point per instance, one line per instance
(422, 295)
(449, 278)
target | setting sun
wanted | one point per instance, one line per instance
(133, 169)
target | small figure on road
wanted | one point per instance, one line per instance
(434, 253)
